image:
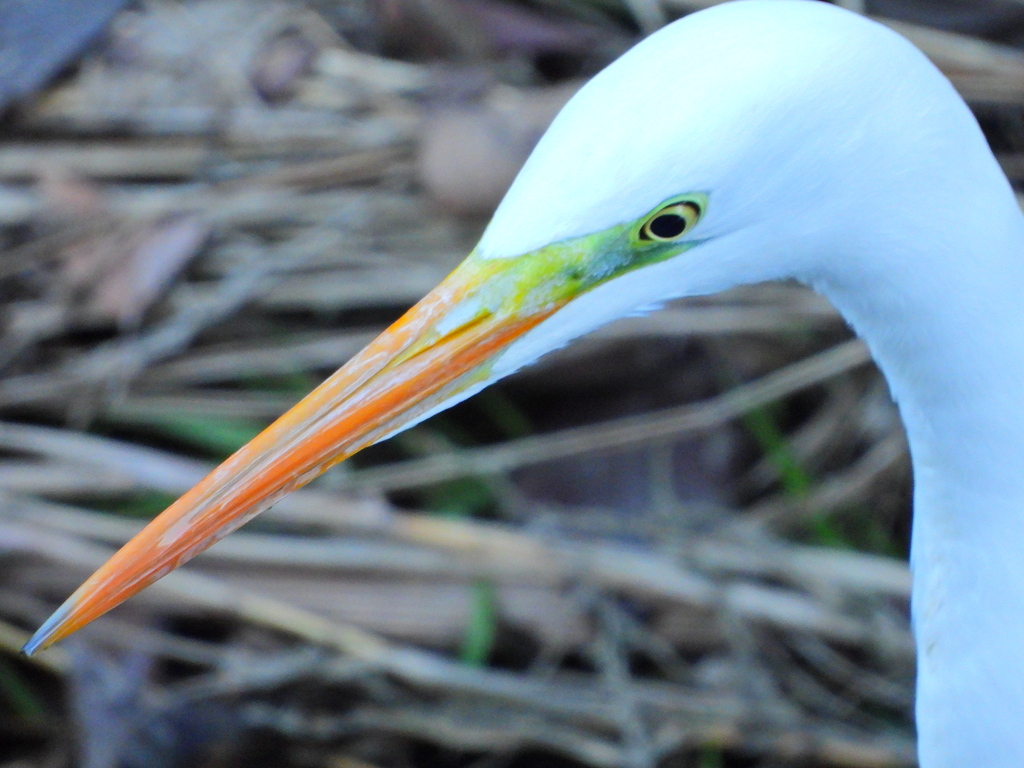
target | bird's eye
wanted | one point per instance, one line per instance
(671, 222)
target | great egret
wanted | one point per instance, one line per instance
(754, 141)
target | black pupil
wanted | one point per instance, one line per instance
(667, 225)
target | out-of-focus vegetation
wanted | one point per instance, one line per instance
(678, 542)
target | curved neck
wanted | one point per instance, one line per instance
(946, 325)
(950, 342)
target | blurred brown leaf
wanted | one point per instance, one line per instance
(118, 267)
(520, 29)
(278, 66)
(157, 253)
(469, 155)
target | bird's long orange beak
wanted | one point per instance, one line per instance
(436, 350)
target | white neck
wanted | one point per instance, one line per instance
(947, 330)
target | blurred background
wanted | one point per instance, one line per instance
(680, 542)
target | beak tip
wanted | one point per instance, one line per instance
(49, 633)
(35, 644)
